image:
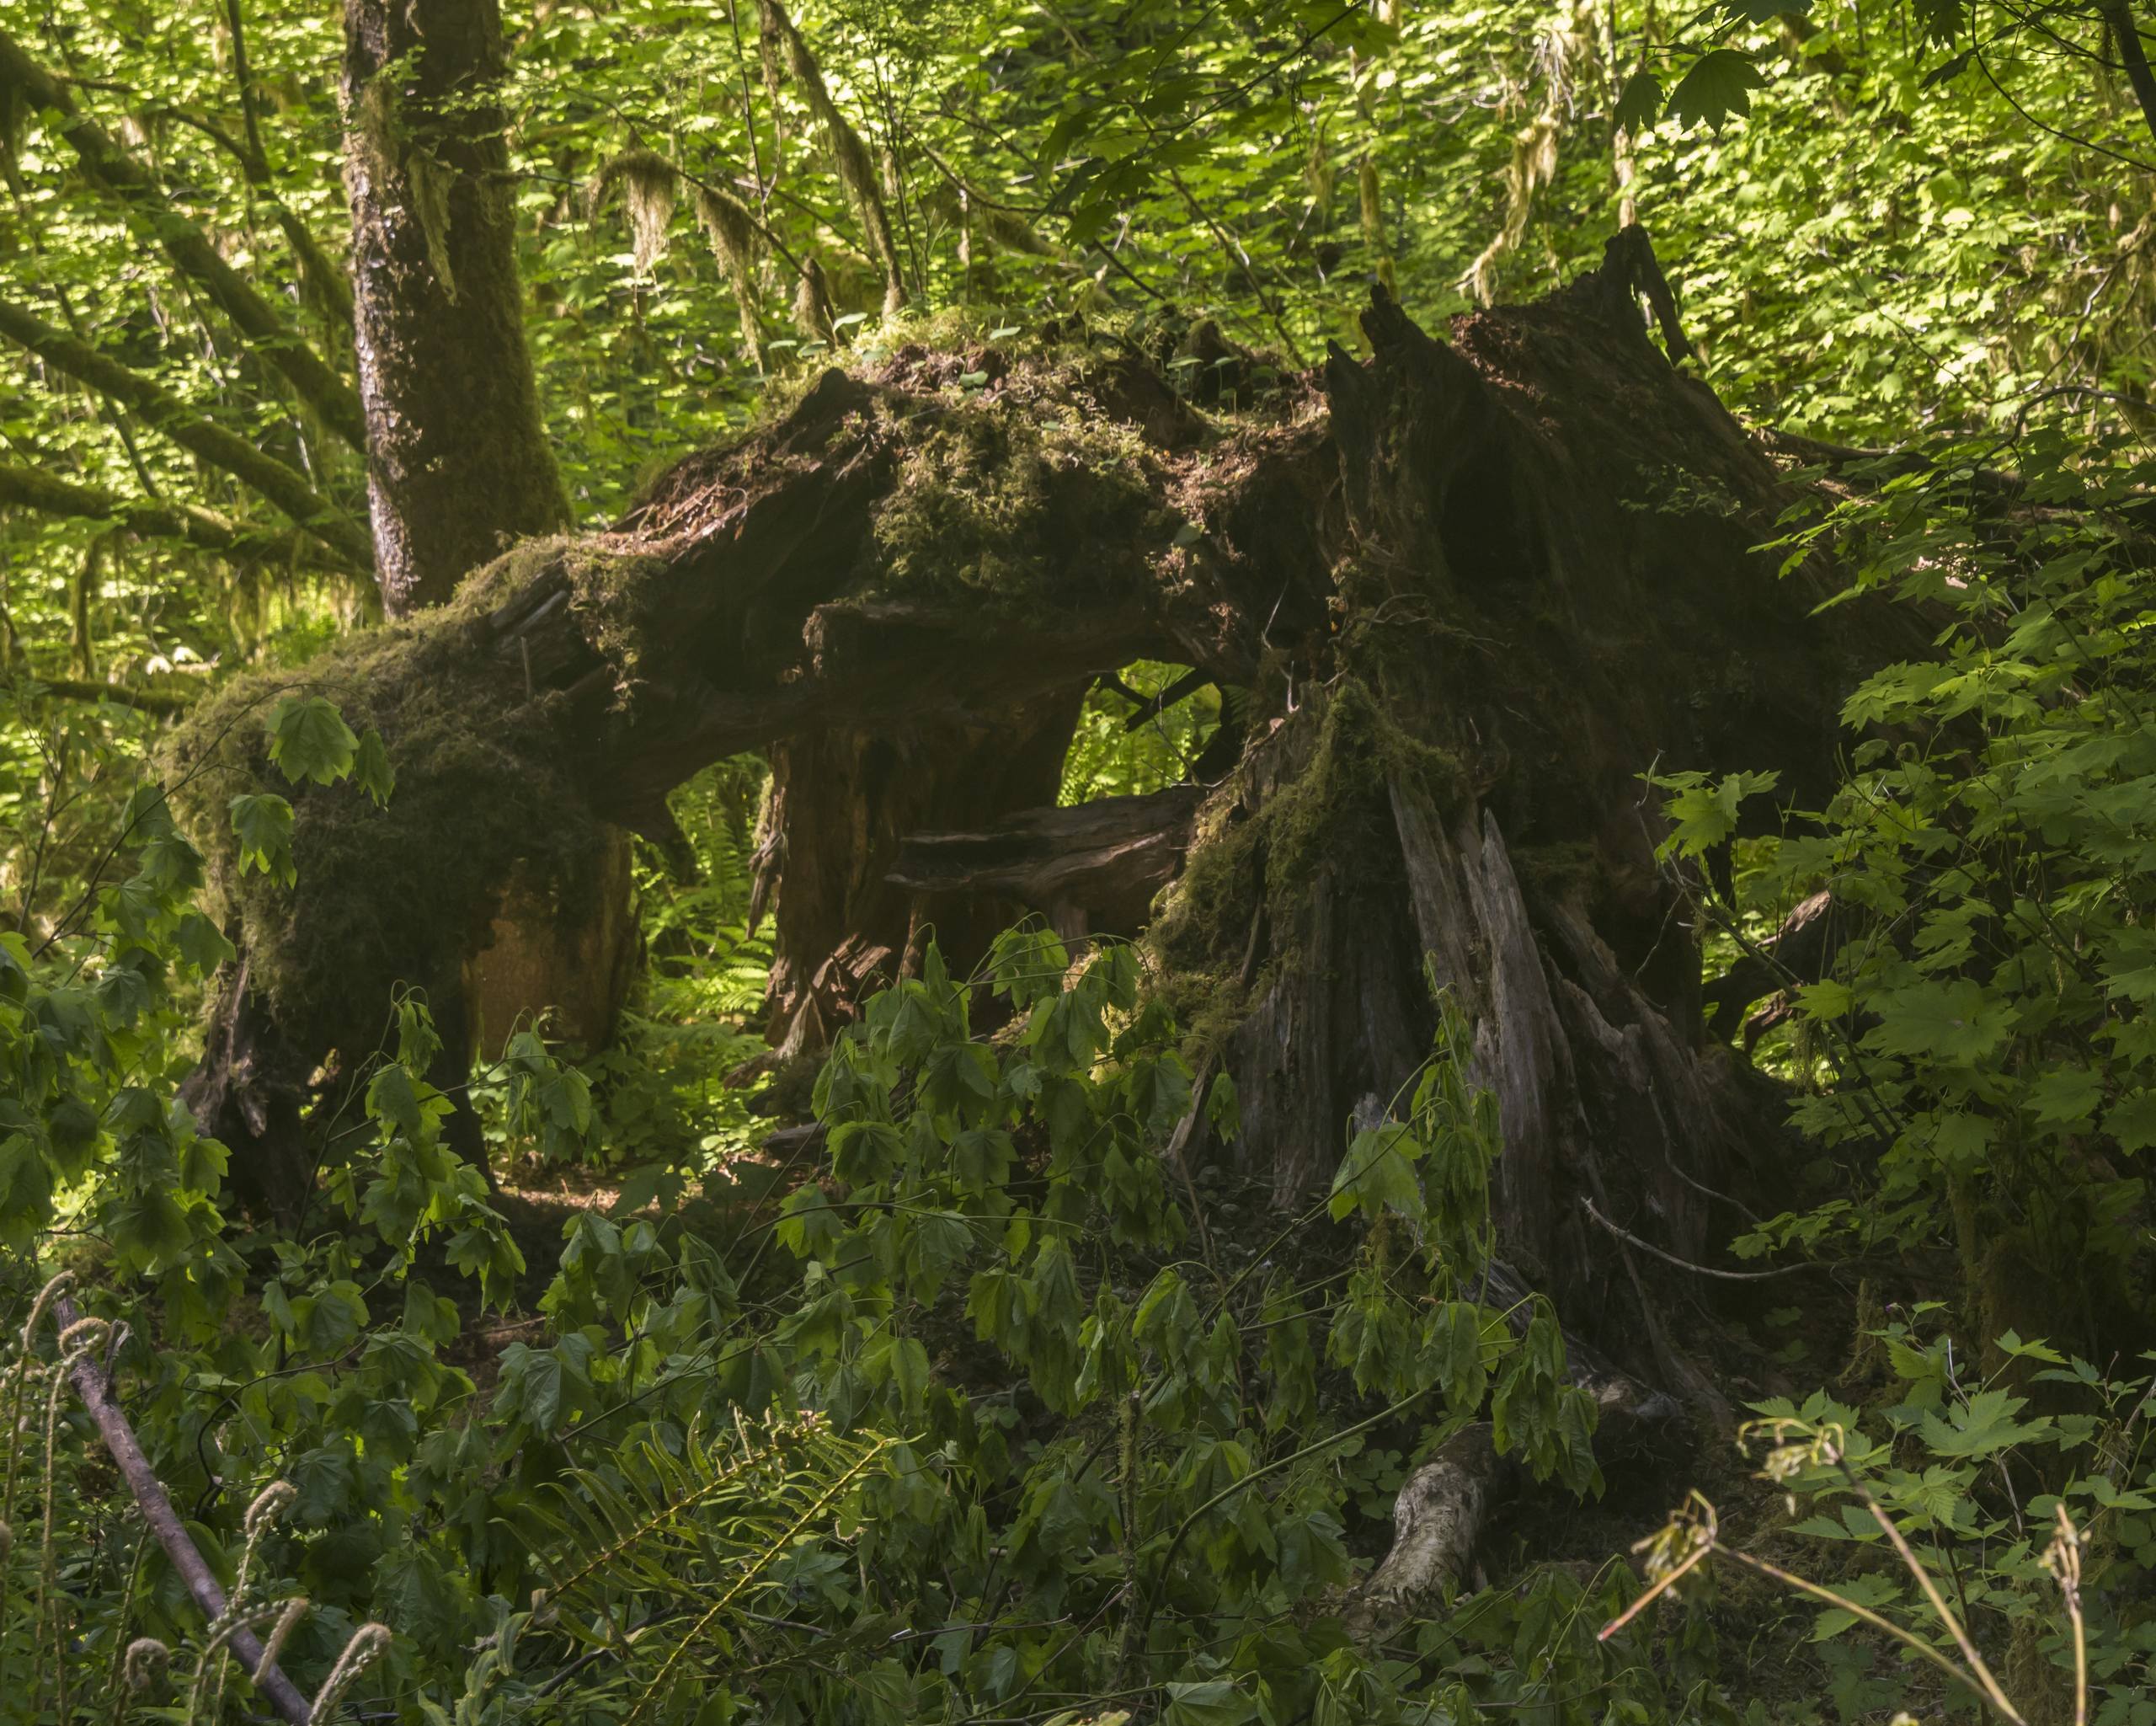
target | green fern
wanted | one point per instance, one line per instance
(666, 1562)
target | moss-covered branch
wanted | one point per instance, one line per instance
(281, 485)
(204, 529)
(148, 701)
(108, 165)
(856, 171)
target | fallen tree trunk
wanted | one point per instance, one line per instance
(1091, 868)
(92, 1381)
(1467, 592)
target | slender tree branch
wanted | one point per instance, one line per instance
(284, 487)
(32, 489)
(94, 1385)
(1733, 1276)
(146, 701)
(318, 266)
(330, 396)
(245, 80)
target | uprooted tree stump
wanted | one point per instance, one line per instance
(1468, 592)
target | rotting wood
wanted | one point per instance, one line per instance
(1105, 858)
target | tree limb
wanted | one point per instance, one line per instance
(148, 701)
(283, 486)
(2119, 16)
(1150, 706)
(1113, 852)
(29, 488)
(318, 386)
(325, 274)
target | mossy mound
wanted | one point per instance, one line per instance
(988, 501)
(391, 896)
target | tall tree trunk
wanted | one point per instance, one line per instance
(458, 467)
(458, 464)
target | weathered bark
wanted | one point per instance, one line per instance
(841, 803)
(1802, 951)
(1440, 1512)
(1549, 586)
(565, 977)
(458, 462)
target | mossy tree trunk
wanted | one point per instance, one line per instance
(1470, 590)
(459, 467)
(458, 462)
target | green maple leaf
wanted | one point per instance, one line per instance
(1951, 1021)
(1378, 1173)
(263, 824)
(309, 739)
(1638, 104)
(1720, 84)
(202, 942)
(372, 770)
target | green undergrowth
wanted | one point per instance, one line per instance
(1018, 1439)
(664, 1115)
(955, 1414)
(1108, 758)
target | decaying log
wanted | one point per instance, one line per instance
(1800, 952)
(1443, 1507)
(1465, 592)
(1090, 868)
(1437, 1516)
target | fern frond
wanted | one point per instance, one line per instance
(658, 1548)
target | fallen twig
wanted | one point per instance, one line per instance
(94, 1385)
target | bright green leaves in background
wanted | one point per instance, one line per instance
(1991, 864)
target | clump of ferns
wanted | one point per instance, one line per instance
(245, 1610)
(24, 1375)
(665, 1548)
(56, 1663)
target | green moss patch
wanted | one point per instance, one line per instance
(390, 895)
